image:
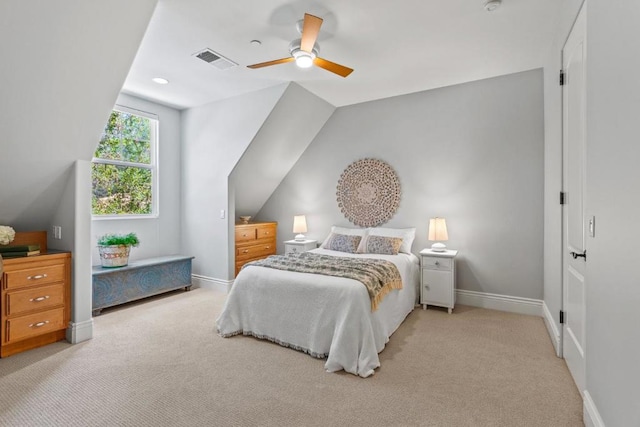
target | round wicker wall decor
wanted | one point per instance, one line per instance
(368, 192)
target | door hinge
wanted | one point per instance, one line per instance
(563, 198)
(562, 317)
(562, 78)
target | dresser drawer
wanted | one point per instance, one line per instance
(34, 276)
(266, 231)
(23, 327)
(436, 263)
(40, 298)
(245, 234)
(255, 251)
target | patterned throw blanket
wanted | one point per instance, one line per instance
(378, 276)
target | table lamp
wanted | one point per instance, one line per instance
(300, 227)
(438, 233)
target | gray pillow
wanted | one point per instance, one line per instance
(343, 243)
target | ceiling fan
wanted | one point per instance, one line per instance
(304, 51)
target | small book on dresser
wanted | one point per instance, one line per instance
(19, 248)
(17, 254)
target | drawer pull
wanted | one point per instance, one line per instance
(266, 232)
(437, 263)
(38, 299)
(36, 277)
(268, 247)
(39, 324)
(245, 251)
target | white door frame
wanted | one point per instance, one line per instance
(574, 185)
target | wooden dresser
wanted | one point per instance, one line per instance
(35, 299)
(255, 240)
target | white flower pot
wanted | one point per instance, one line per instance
(114, 255)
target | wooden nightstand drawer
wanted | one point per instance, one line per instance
(436, 263)
(34, 276)
(40, 298)
(31, 325)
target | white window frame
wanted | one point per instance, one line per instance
(153, 166)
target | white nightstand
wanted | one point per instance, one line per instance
(438, 278)
(297, 246)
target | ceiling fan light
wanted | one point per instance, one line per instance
(304, 59)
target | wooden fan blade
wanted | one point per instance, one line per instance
(338, 69)
(310, 30)
(275, 62)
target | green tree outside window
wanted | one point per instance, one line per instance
(123, 170)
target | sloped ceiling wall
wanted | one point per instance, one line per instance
(291, 126)
(63, 64)
(214, 137)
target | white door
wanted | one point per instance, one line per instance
(573, 239)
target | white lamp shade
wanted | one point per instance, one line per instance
(438, 233)
(299, 226)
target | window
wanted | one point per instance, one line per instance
(124, 170)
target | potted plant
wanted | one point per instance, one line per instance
(114, 249)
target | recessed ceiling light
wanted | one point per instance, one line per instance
(160, 80)
(491, 5)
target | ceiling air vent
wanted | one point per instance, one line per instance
(215, 59)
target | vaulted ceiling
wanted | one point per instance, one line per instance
(394, 47)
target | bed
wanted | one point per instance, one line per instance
(325, 316)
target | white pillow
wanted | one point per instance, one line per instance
(344, 230)
(407, 235)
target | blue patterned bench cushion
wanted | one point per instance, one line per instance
(139, 279)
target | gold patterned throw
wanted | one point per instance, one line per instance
(379, 276)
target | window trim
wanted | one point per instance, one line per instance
(153, 166)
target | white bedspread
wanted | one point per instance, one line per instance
(324, 316)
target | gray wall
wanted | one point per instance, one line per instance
(60, 76)
(55, 98)
(291, 126)
(161, 235)
(214, 137)
(613, 175)
(471, 153)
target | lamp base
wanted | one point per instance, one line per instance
(438, 247)
(300, 238)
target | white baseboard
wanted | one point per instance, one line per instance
(552, 328)
(590, 414)
(499, 302)
(81, 331)
(199, 281)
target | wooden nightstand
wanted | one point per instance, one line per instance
(438, 278)
(297, 246)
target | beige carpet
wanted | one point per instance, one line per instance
(160, 363)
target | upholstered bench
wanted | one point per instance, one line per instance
(140, 279)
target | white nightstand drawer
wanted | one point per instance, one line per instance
(298, 246)
(293, 249)
(436, 263)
